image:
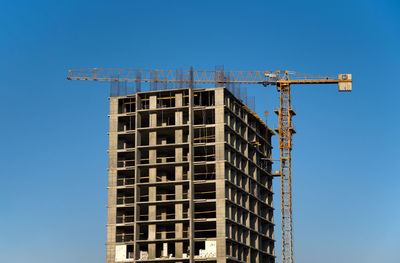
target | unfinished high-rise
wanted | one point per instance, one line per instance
(189, 179)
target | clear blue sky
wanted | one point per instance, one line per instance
(346, 178)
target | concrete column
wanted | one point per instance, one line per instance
(112, 180)
(178, 173)
(178, 234)
(152, 138)
(152, 156)
(191, 184)
(179, 136)
(178, 192)
(178, 100)
(153, 119)
(220, 176)
(152, 193)
(178, 154)
(219, 135)
(152, 232)
(219, 97)
(153, 115)
(152, 175)
(178, 118)
(152, 250)
(257, 257)
(153, 102)
(152, 212)
(178, 249)
(178, 211)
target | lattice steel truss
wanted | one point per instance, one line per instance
(285, 146)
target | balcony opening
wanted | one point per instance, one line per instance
(126, 123)
(143, 253)
(126, 159)
(204, 135)
(204, 210)
(205, 249)
(126, 141)
(144, 194)
(204, 153)
(204, 117)
(165, 193)
(165, 156)
(165, 212)
(204, 172)
(169, 173)
(204, 98)
(124, 234)
(166, 100)
(165, 136)
(144, 156)
(125, 215)
(125, 196)
(143, 213)
(165, 250)
(253, 220)
(129, 252)
(205, 229)
(144, 120)
(125, 177)
(204, 191)
(144, 101)
(143, 175)
(127, 105)
(166, 118)
(165, 231)
(143, 232)
(143, 138)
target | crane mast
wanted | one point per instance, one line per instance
(281, 79)
(285, 131)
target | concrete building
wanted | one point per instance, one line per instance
(189, 179)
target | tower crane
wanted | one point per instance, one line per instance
(283, 80)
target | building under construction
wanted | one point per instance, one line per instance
(189, 179)
(170, 151)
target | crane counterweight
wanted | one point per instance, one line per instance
(345, 86)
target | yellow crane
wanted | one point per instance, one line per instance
(281, 79)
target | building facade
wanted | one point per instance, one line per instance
(189, 179)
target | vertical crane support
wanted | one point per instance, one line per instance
(279, 78)
(285, 146)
